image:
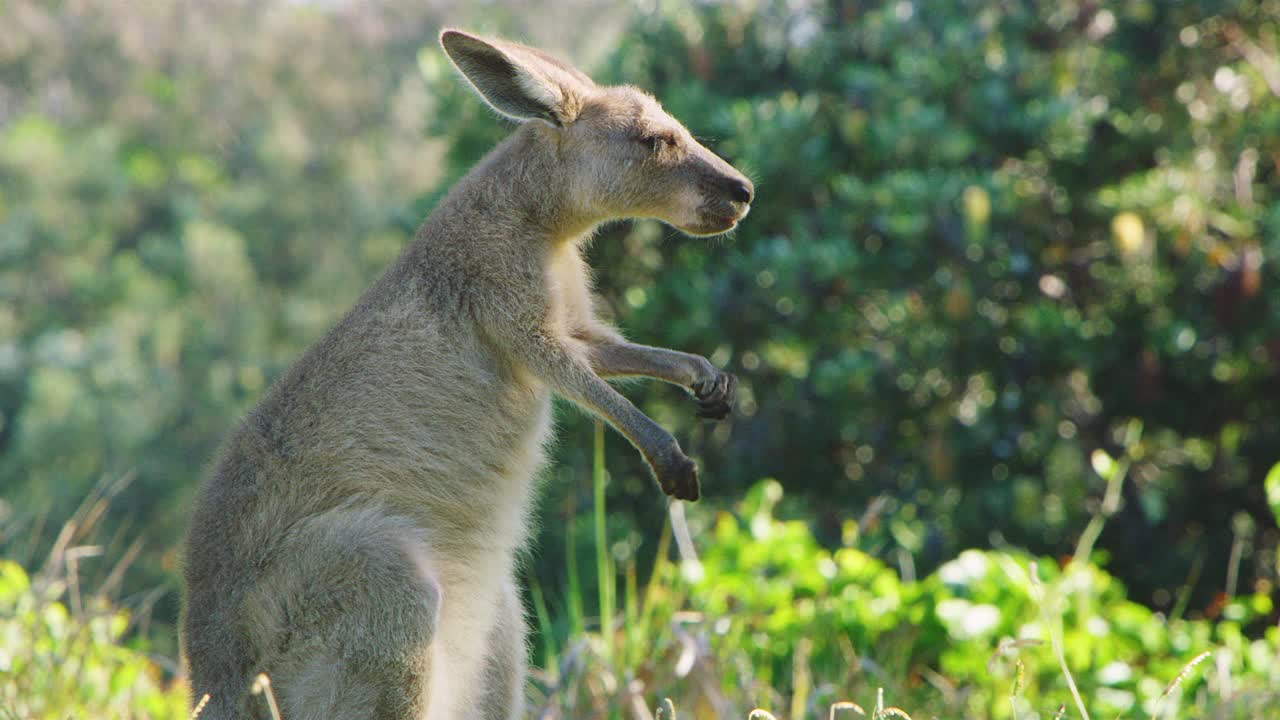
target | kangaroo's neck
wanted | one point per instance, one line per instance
(519, 191)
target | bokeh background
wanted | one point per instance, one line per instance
(991, 239)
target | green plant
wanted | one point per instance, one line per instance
(764, 616)
(56, 662)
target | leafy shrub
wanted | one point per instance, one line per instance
(987, 236)
(762, 616)
(60, 663)
(765, 616)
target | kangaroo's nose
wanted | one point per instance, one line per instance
(741, 190)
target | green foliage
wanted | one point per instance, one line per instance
(765, 613)
(955, 618)
(179, 219)
(987, 237)
(761, 615)
(1273, 490)
(60, 663)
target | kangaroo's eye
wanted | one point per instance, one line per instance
(657, 141)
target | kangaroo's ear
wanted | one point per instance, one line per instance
(518, 81)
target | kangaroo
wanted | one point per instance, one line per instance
(357, 534)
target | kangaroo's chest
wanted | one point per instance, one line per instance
(568, 281)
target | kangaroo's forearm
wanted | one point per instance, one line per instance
(569, 375)
(560, 368)
(712, 388)
(624, 359)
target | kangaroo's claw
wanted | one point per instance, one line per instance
(715, 396)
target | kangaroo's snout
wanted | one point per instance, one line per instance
(724, 198)
(741, 191)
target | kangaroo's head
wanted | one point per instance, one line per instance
(617, 153)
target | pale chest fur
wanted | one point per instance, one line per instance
(568, 290)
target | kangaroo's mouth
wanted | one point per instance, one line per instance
(717, 221)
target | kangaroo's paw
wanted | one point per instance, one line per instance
(678, 477)
(715, 395)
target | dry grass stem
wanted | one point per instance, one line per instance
(1050, 625)
(801, 680)
(845, 705)
(1005, 647)
(1018, 680)
(199, 708)
(1177, 681)
(262, 685)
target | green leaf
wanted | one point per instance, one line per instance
(13, 582)
(1272, 484)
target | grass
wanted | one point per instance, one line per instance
(667, 711)
(758, 622)
(262, 686)
(618, 668)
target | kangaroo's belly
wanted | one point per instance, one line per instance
(471, 484)
(474, 586)
(443, 431)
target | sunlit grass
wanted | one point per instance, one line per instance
(677, 662)
(661, 641)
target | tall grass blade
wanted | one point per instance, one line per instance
(801, 680)
(1051, 626)
(545, 629)
(604, 563)
(574, 599)
(631, 617)
(651, 590)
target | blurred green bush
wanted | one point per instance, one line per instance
(988, 236)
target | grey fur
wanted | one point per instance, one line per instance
(356, 537)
